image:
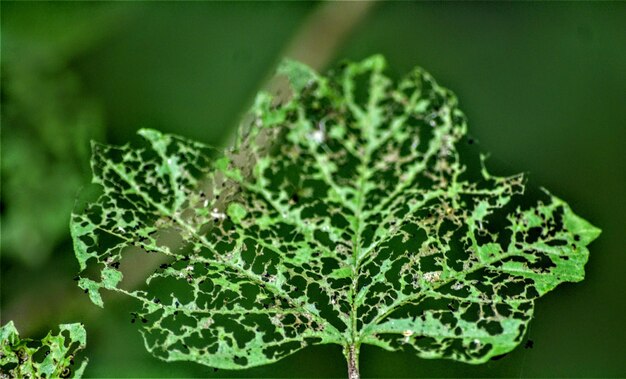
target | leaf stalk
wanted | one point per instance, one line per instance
(351, 353)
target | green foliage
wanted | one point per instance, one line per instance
(47, 122)
(353, 213)
(51, 357)
(45, 147)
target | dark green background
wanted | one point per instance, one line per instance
(543, 85)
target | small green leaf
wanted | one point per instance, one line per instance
(353, 213)
(52, 357)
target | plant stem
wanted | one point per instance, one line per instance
(352, 356)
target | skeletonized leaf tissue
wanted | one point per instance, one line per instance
(355, 212)
(54, 356)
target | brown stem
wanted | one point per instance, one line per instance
(352, 356)
(325, 30)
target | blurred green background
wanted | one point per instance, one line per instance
(543, 85)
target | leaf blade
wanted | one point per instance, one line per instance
(353, 213)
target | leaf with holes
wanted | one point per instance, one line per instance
(51, 357)
(356, 212)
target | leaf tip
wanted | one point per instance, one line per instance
(91, 288)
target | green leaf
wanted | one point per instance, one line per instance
(356, 212)
(51, 357)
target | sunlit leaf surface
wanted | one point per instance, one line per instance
(51, 357)
(355, 212)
